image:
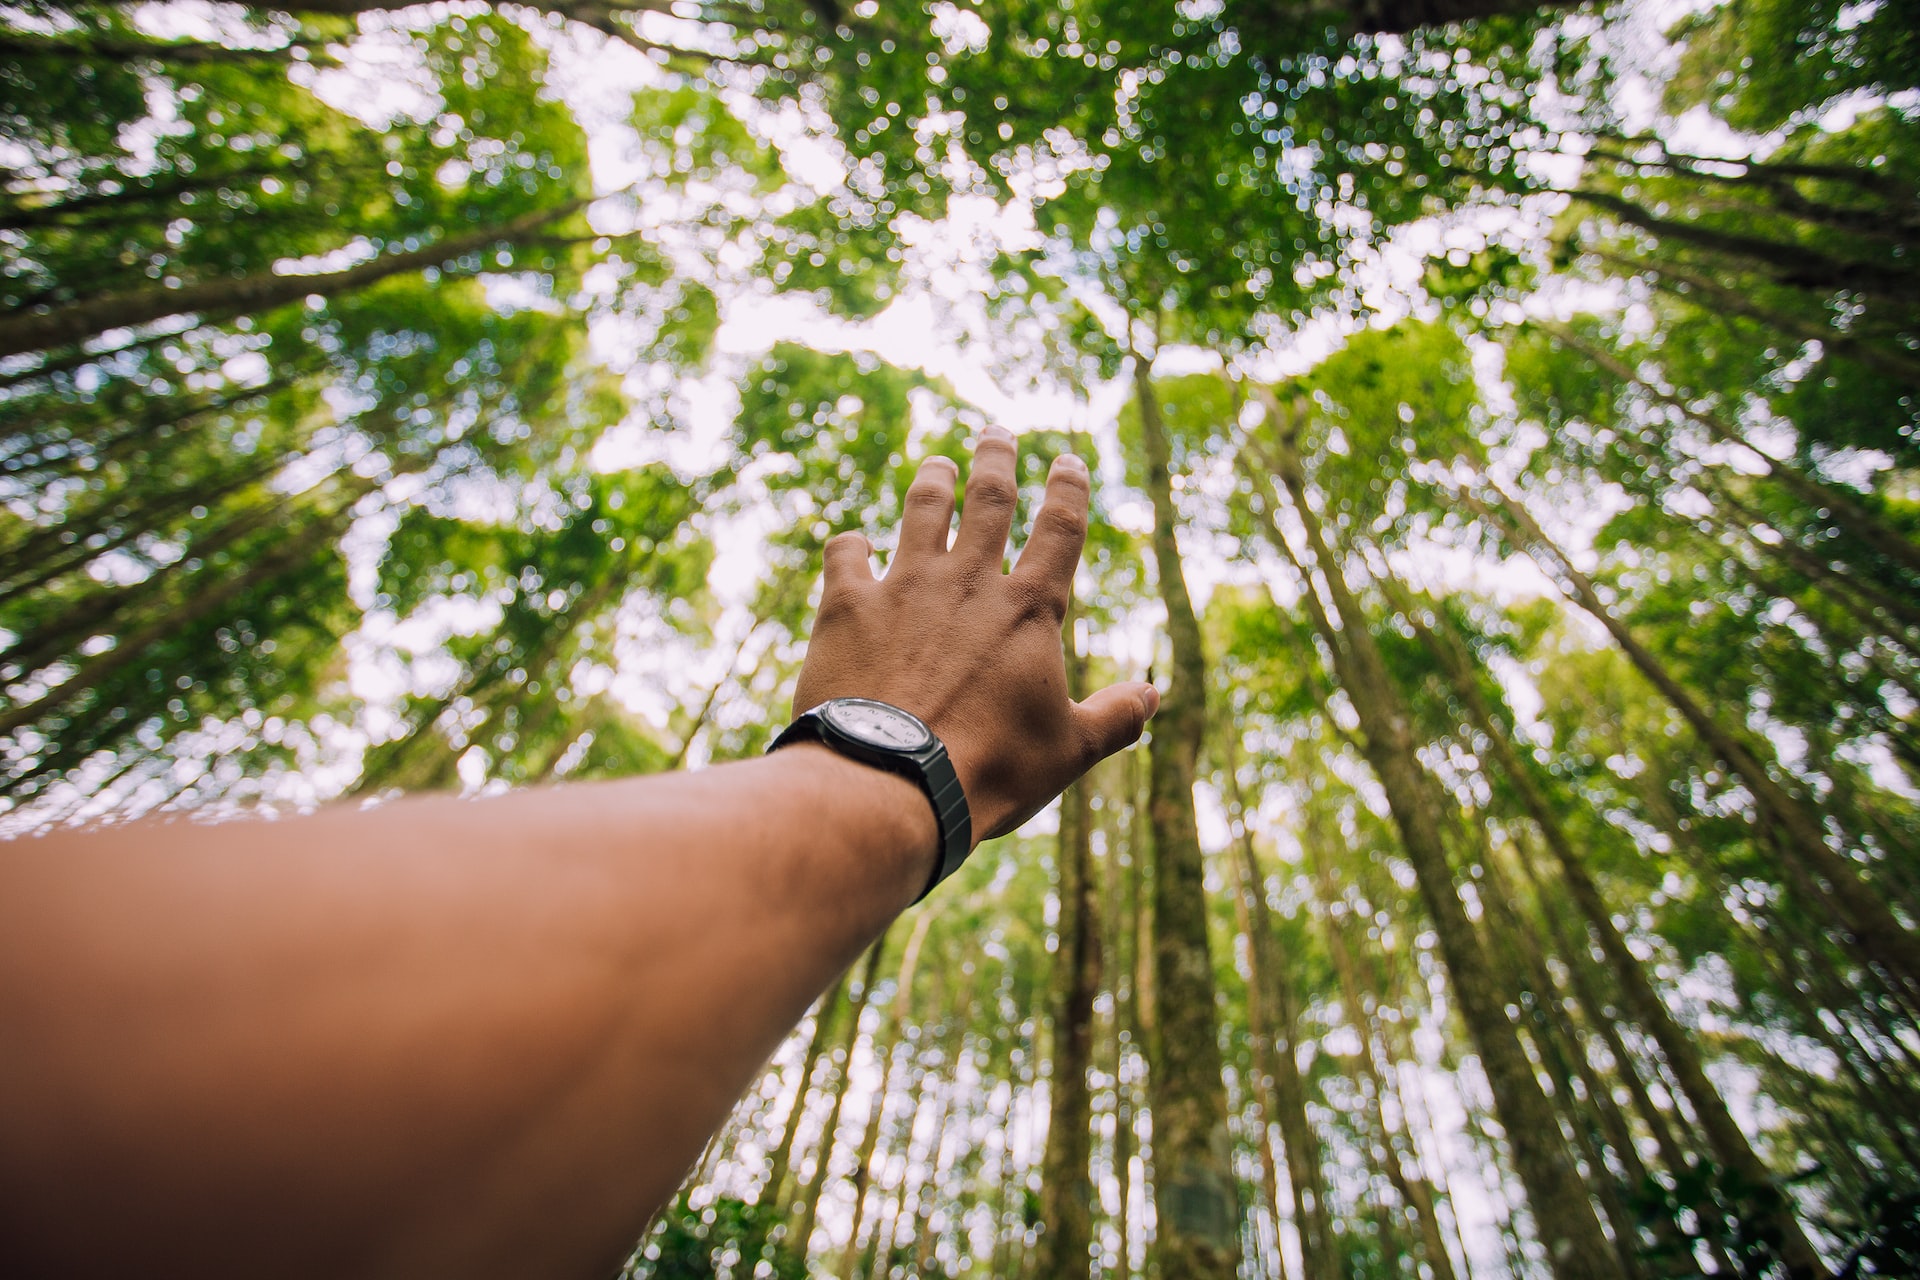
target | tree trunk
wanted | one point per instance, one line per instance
(117, 426)
(1878, 611)
(1287, 18)
(1723, 1134)
(917, 1205)
(774, 1186)
(884, 1040)
(38, 331)
(1677, 1159)
(1400, 1050)
(1126, 1027)
(1771, 174)
(808, 1205)
(113, 607)
(49, 552)
(1272, 1022)
(1563, 1214)
(1590, 1111)
(1066, 1185)
(1414, 1190)
(1195, 1190)
(1261, 1086)
(1878, 935)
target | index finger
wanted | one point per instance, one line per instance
(1052, 553)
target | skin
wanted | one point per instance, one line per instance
(488, 1038)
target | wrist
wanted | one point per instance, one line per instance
(886, 816)
(886, 736)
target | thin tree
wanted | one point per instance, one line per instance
(1195, 1191)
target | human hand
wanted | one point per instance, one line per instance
(971, 649)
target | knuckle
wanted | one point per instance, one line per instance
(970, 579)
(1076, 481)
(844, 543)
(1041, 601)
(928, 497)
(1064, 520)
(992, 491)
(837, 606)
(1091, 746)
(904, 573)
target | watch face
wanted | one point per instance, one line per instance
(877, 724)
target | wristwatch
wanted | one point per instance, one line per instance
(884, 736)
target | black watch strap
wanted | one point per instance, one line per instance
(928, 766)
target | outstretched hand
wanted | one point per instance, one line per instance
(487, 1039)
(971, 649)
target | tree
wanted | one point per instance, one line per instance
(1194, 1191)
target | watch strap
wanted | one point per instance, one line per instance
(950, 811)
(928, 767)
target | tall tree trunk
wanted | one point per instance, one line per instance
(1879, 612)
(884, 1040)
(1729, 1144)
(1400, 1050)
(1272, 1023)
(1563, 1214)
(1261, 1086)
(18, 45)
(136, 198)
(1773, 175)
(917, 1203)
(1126, 1027)
(1678, 1160)
(49, 552)
(1492, 1169)
(71, 359)
(1195, 1191)
(117, 607)
(808, 1206)
(36, 331)
(118, 425)
(1590, 1110)
(1796, 972)
(1878, 935)
(1377, 17)
(1397, 1146)
(774, 1187)
(1066, 1186)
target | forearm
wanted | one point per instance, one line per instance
(487, 1038)
(475, 1037)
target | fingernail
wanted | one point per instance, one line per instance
(1151, 697)
(1071, 462)
(943, 459)
(997, 432)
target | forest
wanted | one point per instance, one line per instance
(1502, 416)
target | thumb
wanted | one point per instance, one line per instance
(1114, 717)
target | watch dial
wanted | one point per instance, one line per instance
(879, 725)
